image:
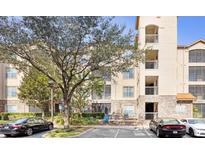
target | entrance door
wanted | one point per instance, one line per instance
(151, 110)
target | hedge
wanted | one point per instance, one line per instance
(97, 115)
(10, 116)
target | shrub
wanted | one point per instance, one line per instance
(10, 116)
(97, 115)
(84, 121)
(59, 120)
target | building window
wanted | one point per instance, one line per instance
(197, 56)
(11, 91)
(199, 110)
(107, 92)
(128, 110)
(128, 91)
(11, 73)
(196, 73)
(198, 91)
(11, 108)
(128, 74)
(151, 34)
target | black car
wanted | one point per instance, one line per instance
(25, 126)
(167, 127)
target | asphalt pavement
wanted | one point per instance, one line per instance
(107, 132)
(119, 132)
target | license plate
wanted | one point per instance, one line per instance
(175, 132)
(7, 127)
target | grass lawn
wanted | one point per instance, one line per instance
(3, 121)
(65, 132)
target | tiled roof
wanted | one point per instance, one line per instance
(185, 96)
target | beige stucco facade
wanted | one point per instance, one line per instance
(10, 102)
(163, 75)
(150, 89)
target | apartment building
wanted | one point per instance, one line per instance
(171, 81)
(10, 80)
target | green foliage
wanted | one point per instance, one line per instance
(97, 115)
(10, 116)
(68, 50)
(82, 93)
(65, 132)
(84, 121)
(59, 120)
(34, 89)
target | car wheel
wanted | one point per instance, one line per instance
(29, 131)
(191, 132)
(50, 127)
(7, 135)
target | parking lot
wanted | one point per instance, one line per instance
(107, 132)
(120, 132)
(36, 135)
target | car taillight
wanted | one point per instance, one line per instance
(174, 126)
(166, 126)
(16, 126)
(182, 126)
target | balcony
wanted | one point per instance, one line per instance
(151, 38)
(151, 90)
(151, 64)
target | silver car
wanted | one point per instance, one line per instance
(195, 126)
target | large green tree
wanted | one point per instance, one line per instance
(34, 90)
(82, 93)
(65, 47)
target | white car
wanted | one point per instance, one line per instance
(194, 126)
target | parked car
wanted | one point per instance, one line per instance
(167, 127)
(194, 126)
(25, 126)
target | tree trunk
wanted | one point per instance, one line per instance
(66, 114)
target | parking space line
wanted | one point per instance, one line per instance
(117, 133)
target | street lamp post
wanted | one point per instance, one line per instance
(51, 84)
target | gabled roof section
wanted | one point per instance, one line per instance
(189, 45)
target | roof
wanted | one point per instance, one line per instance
(185, 96)
(189, 45)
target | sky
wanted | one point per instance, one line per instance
(189, 28)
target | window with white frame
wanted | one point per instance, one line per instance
(11, 91)
(197, 56)
(11, 72)
(128, 91)
(11, 108)
(198, 91)
(196, 73)
(128, 74)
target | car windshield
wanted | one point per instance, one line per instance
(18, 121)
(196, 121)
(170, 121)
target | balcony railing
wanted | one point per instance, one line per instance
(151, 38)
(151, 115)
(103, 97)
(151, 90)
(151, 64)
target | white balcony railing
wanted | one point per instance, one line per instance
(151, 90)
(151, 64)
(151, 38)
